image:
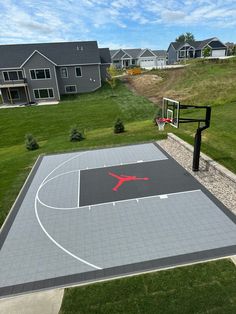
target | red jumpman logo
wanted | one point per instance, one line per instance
(122, 178)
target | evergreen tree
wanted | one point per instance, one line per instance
(30, 142)
(76, 135)
(119, 126)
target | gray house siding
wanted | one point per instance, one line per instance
(89, 81)
(49, 84)
(39, 62)
(172, 55)
(104, 71)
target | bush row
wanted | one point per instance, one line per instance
(76, 135)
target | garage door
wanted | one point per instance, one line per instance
(147, 63)
(160, 62)
(218, 53)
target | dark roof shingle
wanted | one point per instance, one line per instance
(105, 55)
(80, 52)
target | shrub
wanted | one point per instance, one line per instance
(30, 142)
(206, 52)
(76, 135)
(119, 126)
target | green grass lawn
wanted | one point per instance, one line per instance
(201, 288)
(206, 288)
(94, 113)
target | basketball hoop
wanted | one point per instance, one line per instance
(161, 123)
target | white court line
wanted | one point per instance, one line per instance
(43, 228)
(123, 164)
(53, 207)
(57, 244)
(37, 199)
(141, 198)
(46, 182)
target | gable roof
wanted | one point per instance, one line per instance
(126, 56)
(85, 52)
(36, 51)
(199, 44)
(119, 54)
(160, 53)
(147, 53)
(136, 53)
(113, 52)
(133, 53)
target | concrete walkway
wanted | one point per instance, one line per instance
(45, 302)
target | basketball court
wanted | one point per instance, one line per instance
(99, 214)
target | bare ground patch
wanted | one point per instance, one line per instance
(155, 87)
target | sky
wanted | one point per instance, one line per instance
(116, 24)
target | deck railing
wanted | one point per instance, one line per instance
(12, 82)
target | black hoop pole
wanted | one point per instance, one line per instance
(198, 139)
(198, 135)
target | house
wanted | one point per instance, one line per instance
(44, 72)
(188, 50)
(145, 58)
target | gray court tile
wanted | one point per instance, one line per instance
(51, 237)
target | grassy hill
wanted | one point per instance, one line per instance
(202, 82)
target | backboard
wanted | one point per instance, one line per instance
(170, 110)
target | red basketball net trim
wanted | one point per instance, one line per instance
(163, 120)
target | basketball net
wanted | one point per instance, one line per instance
(161, 123)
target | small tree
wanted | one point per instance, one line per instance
(206, 52)
(111, 77)
(76, 135)
(119, 126)
(30, 142)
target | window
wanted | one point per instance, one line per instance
(13, 94)
(116, 61)
(70, 89)
(40, 74)
(78, 72)
(182, 53)
(64, 73)
(133, 62)
(43, 93)
(13, 75)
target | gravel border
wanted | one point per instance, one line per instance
(217, 179)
